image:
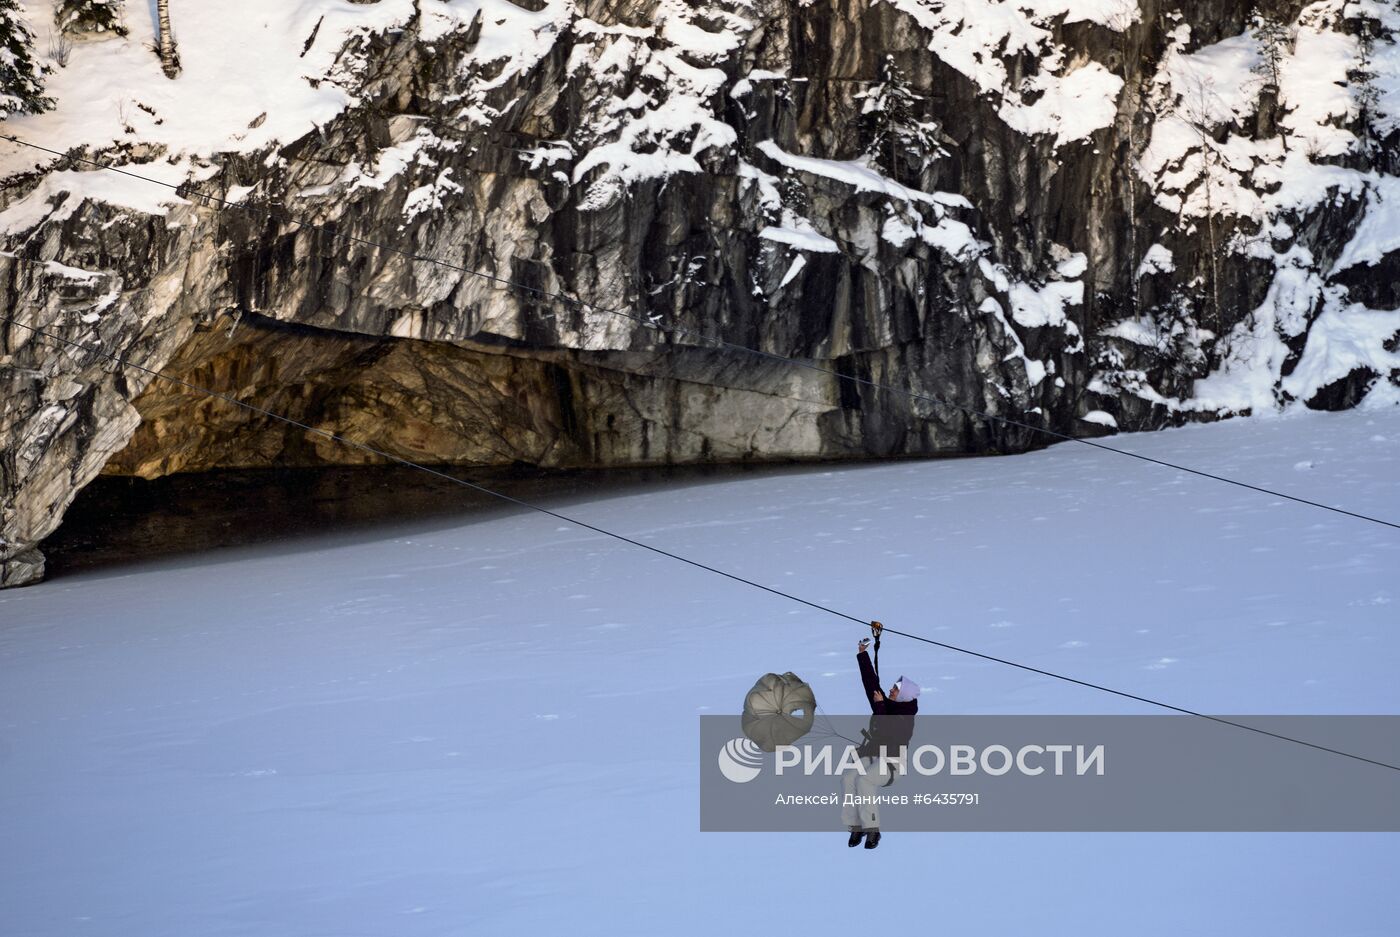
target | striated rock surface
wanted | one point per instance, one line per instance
(1077, 214)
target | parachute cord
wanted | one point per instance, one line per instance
(827, 729)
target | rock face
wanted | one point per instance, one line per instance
(1074, 215)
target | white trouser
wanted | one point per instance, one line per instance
(876, 778)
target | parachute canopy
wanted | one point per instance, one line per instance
(778, 710)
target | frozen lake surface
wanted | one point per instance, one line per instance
(491, 727)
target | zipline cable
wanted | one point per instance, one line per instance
(677, 557)
(649, 322)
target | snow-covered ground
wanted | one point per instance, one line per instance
(492, 728)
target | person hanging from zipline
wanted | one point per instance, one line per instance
(881, 754)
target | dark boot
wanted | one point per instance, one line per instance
(856, 834)
(872, 839)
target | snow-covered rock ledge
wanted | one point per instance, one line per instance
(1090, 214)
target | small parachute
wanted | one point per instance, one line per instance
(779, 710)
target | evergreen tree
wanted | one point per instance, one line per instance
(21, 90)
(90, 16)
(792, 192)
(894, 137)
(1274, 43)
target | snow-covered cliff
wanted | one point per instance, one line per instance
(1076, 213)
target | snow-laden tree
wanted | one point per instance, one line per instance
(892, 135)
(1275, 43)
(21, 87)
(90, 16)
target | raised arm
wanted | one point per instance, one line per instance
(871, 682)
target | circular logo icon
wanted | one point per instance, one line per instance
(740, 760)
